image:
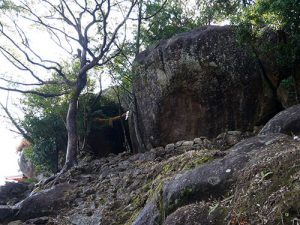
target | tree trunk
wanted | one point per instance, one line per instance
(138, 37)
(71, 157)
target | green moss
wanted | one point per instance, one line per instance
(288, 82)
(153, 189)
(184, 197)
(30, 180)
(138, 201)
(102, 201)
(133, 218)
(198, 161)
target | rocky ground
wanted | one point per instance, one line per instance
(113, 190)
(234, 179)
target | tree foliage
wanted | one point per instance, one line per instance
(283, 17)
(272, 29)
(44, 121)
(86, 32)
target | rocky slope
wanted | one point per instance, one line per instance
(113, 190)
(256, 181)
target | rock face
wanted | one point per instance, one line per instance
(26, 167)
(212, 180)
(287, 121)
(11, 193)
(43, 203)
(194, 214)
(6, 212)
(198, 84)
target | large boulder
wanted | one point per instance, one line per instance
(6, 212)
(287, 122)
(43, 203)
(194, 214)
(26, 166)
(199, 83)
(11, 192)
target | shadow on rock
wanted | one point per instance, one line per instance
(43, 203)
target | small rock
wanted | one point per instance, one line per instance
(207, 143)
(178, 143)
(160, 148)
(170, 147)
(17, 222)
(88, 191)
(148, 156)
(188, 143)
(232, 140)
(221, 136)
(198, 141)
(234, 132)
(104, 174)
(124, 164)
(228, 170)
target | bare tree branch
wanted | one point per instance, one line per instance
(41, 94)
(31, 84)
(71, 27)
(15, 123)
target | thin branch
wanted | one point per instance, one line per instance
(17, 46)
(152, 15)
(45, 95)
(98, 95)
(18, 64)
(17, 126)
(31, 84)
(25, 42)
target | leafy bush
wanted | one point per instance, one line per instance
(283, 17)
(46, 126)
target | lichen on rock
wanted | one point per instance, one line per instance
(199, 83)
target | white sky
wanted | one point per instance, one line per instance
(8, 156)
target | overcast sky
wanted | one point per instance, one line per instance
(8, 156)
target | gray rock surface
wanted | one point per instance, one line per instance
(43, 203)
(213, 178)
(147, 188)
(6, 212)
(83, 219)
(150, 215)
(209, 180)
(287, 122)
(12, 192)
(26, 167)
(194, 214)
(199, 83)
